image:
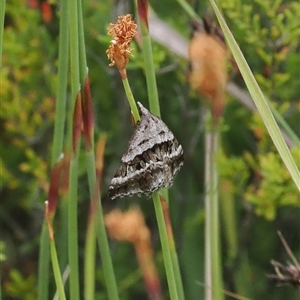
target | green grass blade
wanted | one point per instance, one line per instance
(165, 247)
(259, 100)
(62, 83)
(213, 270)
(73, 176)
(108, 270)
(56, 271)
(44, 266)
(90, 258)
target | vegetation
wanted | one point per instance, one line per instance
(257, 194)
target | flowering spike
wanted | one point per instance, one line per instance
(208, 59)
(130, 226)
(122, 33)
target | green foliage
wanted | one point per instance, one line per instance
(6, 177)
(20, 287)
(272, 186)
(234, 169)
(268, 33)
(275, 187)
(27, 112)
(260, 190)
(27, 103)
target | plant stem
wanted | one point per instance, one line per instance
(43, 272)
(61, 99)
(188, 9)
(105, 255)
(169, 250)
(89, 262)
(131, 100)
(57, 145)
(285, 126)
(171, 245)
(213, 274)
(60, 122)
(73, 231)
(150, 76)
(229, 218)
(90, 247)
(108, 270)
(208, 213)
(99, 226)
(73, 176)
(82, 53)
(57, 273)
(165, 247)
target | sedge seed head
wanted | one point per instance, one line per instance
(122, 33)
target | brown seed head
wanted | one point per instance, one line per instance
(208, 59)
(122, 33)
(128, 226)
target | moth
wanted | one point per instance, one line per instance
(151, 161)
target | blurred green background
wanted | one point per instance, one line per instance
(256, 192)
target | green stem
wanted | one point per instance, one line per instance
(61, 99)
(172, 266)
(89, 262)
(59, 122)
(62, 233)
(285, 125)
(108, 270)
(56, 271)
(215, 230)
(57, 146)
(229, 219)
(188, 9)
(208, 209)
(105, 255)
(165, 247)
(131, 100)
(82, 52)
(43, 272)
(73, 230)
(213, 274)
(74, 49)
(90, 250)
(150, 76)
(73, 179)
(176, 270)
